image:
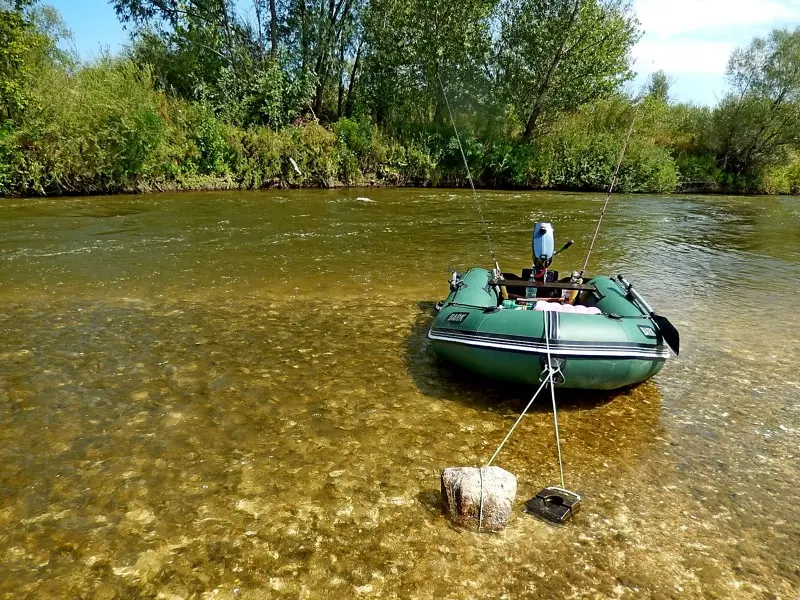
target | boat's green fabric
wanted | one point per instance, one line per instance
(614, 349)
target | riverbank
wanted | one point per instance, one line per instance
(106, 129)
(154, 117)
(219, 183)
(184, 147)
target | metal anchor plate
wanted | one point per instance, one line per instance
(554, 504)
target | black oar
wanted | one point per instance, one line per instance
(667, 329)
(671, 335)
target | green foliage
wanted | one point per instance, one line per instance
(793, 176)
(276, 97)
(757, 124)
(352, 95)
(418, 167)
(9, 151)
(658, 87)
(89, 131)
(699, 172)
(255, 156)
(558, 55)
(414, 47)
(315, 150)
(360, 148)
(12, 49)
(648, 168)
(28, 38)
(209, 137)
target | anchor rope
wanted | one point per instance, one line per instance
(551, 372)
(469, 176)
(480, 502)
(514, 426)
(553, 397)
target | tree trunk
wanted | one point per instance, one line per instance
(533, 119)
(352, 85)
(544, 88)
(273, 30)
(321, 67)
(303, 36)
(257, 7)
(319, 97)
(438, 113)
(227, 24)
(340, 101)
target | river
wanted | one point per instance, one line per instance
(230, 395)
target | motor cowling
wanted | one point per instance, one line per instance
(543, 246)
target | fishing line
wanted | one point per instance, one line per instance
(610, 188)
(469, 176)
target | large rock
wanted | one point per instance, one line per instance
(479, 498)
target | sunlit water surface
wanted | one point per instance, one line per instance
(230, 395)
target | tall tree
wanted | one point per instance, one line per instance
(658, 86)
(558, 54)
(416, 47)
(198, 39)
(15, 40)
(760, 119)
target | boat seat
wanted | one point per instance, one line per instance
(555, 285)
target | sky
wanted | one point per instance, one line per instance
(690, 40)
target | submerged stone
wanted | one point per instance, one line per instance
(479, 498)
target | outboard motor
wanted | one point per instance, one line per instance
(543, 245)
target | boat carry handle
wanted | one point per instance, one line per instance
(636, 295)
(667, 329)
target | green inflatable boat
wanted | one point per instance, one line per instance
(600, 333)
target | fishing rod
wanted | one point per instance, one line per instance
(579, 278)
(471, 183)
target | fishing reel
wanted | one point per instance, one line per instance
(456, 283)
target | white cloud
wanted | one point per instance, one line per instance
(667, 18)
(682, 56)
(691, 40)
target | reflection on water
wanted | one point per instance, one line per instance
(231, 396)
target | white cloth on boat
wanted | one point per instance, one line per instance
(567, 308)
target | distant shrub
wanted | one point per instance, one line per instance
(419, 167)
(793, 175)
(699, 172)
(648, 168)
(255, 156)
(315, 150)
(209, 136)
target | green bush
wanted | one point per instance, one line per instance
(209, 136)
(793, 175)
(648, 168)
(699, 172)
(97, 129)
(419, 167)
(781, 179)
(8, 158)
(315, 150)
(255, 156)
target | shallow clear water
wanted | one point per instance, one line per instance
(230, 395)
